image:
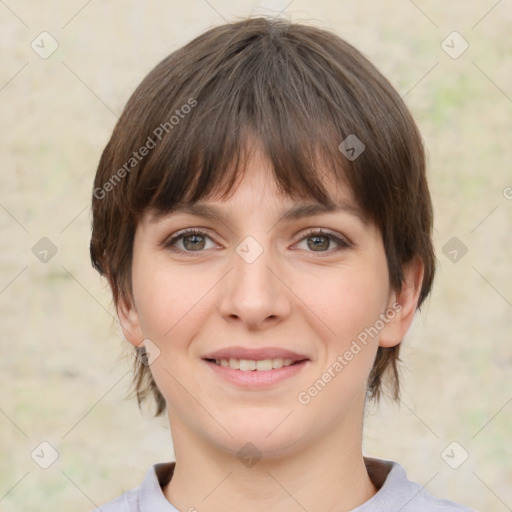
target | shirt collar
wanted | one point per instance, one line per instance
(150, 495)
(384, 474)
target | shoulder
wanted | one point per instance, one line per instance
(148, 497)
(127, 502)
(397, 492)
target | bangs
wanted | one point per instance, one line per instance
(300, 164)
(296, 106)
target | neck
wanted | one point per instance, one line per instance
(326, 476)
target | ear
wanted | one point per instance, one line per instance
(403, 303)
(129, 320)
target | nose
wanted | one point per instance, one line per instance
(254, 293)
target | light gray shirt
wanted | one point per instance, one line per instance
(396, 493)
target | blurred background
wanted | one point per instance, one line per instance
(69, 437)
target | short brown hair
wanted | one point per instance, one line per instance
(300, 91)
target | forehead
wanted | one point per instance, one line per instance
(257, 178)
(258, 185)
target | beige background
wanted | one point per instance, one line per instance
(65, 368)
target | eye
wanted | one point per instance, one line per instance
(191, 240)
(319, 240)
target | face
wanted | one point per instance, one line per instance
(292, 296)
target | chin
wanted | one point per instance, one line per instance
(270, 439)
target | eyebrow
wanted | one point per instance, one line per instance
(296, 212)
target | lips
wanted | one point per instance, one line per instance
(255, 354)
(255, 369)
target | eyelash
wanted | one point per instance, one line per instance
(343, 243)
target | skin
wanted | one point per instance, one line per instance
(311, 301)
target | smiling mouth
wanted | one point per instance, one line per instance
(248, 365)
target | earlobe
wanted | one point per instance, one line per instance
(129, 320)
(404, 303)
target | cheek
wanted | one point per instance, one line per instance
(153, 296)
(170, 313)
(347, 300)
(170, 298)
(349, 304)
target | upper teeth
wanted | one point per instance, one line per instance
(248, 364)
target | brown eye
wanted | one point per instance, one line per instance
(193, 242)
(320, 241)
(189, 241)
